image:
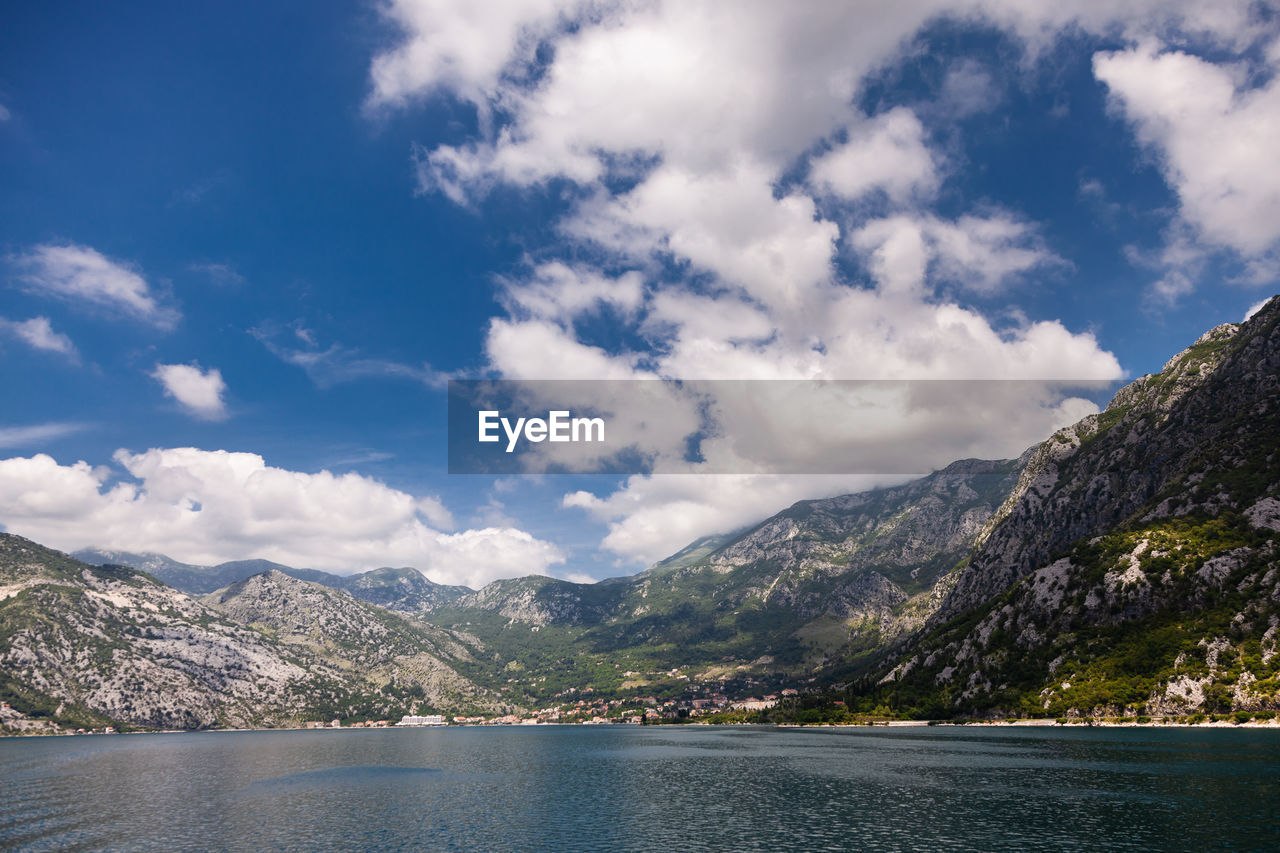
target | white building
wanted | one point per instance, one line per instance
(428, 720)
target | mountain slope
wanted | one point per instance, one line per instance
(1136, 565)
(193, 579)
(801, 593)
(402, 589)
(89, 645)
(353, 636)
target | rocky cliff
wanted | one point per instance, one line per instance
(1136, 565)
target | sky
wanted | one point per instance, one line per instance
(245, 246)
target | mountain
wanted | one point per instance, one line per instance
(194, 579)
(90, 645)
(354, 636)
(176, 574)
(809, 591)
(1135, 568)
(402, 589)
(1129, 564)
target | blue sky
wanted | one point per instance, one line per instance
(268, 233)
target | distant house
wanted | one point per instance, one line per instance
(427, 720)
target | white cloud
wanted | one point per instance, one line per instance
(463, 46)
(887, 153)
(5, 115)
(198, 391)
(38, 434)
(977, 253)
(206, 507)
(38, 333)
(435, 512)
(688, 81)
(968, 88)
(1214, 134)
(710, 111)
(81, 274)
(558, 291)
(1255, 308)
(536, 349)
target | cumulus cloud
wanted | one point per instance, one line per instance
(559, 291)
(689, 80)
(726, 221)
(748, 176)
(976, 252)
(1213, 132)
(887, 153)
(198, 391)
(38, 333)
(206, 507)
(83, 275)
(464, 46)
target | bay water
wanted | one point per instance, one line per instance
(645, 788)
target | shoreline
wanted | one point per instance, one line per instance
(888, 724)
(1038, 723)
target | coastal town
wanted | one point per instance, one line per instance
(635, 710)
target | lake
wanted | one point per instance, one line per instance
(645, 788)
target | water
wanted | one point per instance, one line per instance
(645, 788)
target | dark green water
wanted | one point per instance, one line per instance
(645, 788)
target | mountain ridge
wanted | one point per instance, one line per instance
(89, 645)
(405, 589)
(1134, 568)
(1129, 564)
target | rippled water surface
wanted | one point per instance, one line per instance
(645, 788)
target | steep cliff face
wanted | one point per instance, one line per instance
(1136, 565)
(1201, 417)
